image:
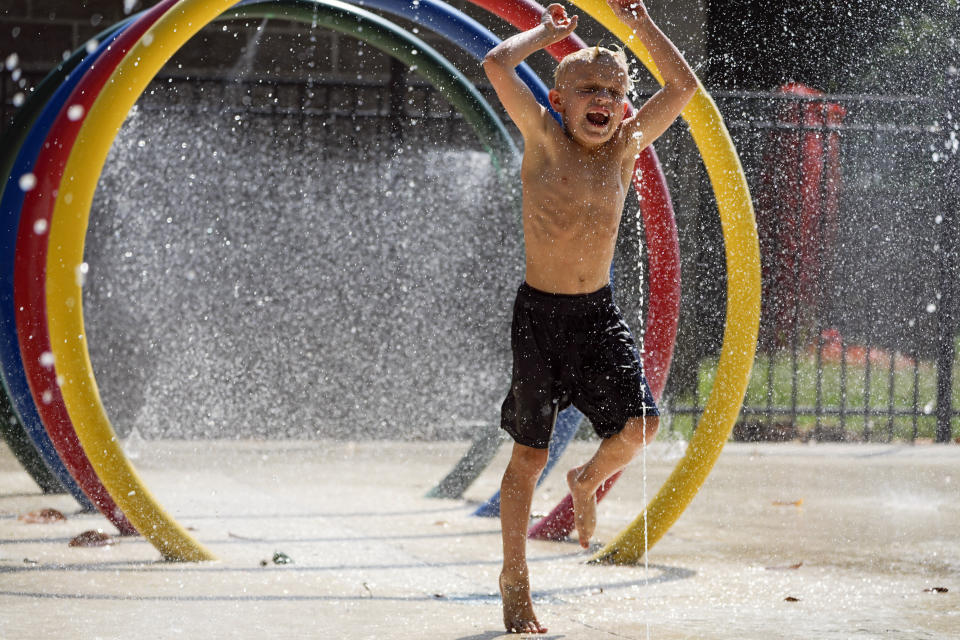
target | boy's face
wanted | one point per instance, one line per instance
(591, 97)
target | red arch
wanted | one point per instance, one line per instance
(663, 249)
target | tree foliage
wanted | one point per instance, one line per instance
(914, 59)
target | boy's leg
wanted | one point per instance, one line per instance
(612, 455)
(516, 495)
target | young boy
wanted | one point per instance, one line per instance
(570, 343)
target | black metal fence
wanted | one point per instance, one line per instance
(857, 232)
(856, 199)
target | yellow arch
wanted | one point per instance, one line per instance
(743, 312)
(64, 296)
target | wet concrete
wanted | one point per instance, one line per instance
(783, 541)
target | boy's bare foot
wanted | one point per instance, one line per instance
(518, 615)
(584, 508)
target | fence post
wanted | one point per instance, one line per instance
(946, 324)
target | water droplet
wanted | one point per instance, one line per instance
(12, 62)
(81, 273)
(18, 99)
(75, 112)
(27, 182)
(40, 226)
(47, 359)
(91, 45)
(931, 308)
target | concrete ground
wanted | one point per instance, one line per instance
(783, 541)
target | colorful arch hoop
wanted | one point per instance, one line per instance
(12, 366)
(29, 112)
(742, 321)
(53, 131)
(12, 429)
(71, 211)
(728, 392)
(271, 12)
(11, 425)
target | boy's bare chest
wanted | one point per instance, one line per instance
(591, 184)
(573, 169)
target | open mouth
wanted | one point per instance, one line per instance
(598, 119)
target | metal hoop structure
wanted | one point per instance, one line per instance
(97, 129)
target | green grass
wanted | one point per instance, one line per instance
(775, 387)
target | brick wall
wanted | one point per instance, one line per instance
(35, 35)
(40, 32)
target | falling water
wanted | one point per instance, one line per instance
(641, 331)
(293, 286)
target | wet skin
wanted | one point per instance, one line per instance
(575, 180)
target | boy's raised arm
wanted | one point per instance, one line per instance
(679, 82)
(501, 62)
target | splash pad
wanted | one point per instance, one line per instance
(373, 558)
(81, 398)
(117, 473)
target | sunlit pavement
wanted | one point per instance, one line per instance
(784, 541)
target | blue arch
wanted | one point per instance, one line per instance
(11, 363)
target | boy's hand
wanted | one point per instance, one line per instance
(628, 10)
(556, 22)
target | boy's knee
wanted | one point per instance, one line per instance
(642, 430)
(527, 460)
(651, 426)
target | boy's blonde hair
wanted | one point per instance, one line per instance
(592, 54)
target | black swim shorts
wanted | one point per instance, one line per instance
(572, 349)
